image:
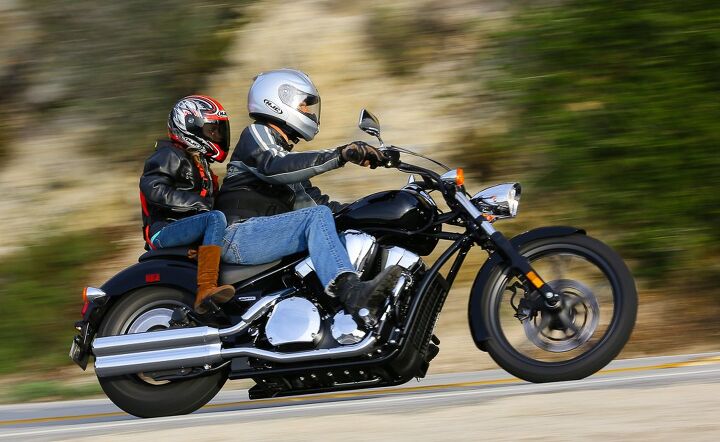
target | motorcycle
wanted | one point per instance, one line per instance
(551, 304)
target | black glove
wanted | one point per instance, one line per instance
(359, 152)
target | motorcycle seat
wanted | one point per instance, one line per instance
(229, 273)
(232, 273)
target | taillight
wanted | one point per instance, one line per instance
(85, 306)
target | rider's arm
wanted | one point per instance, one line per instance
(158, 184)
(275, 165)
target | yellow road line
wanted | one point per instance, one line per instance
(385, 391)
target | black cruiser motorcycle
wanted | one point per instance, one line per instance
(551, 304)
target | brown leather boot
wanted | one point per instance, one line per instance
(207, 277)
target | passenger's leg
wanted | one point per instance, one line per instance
(210, 228)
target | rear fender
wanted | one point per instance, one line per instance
(153, 272)
(164, 272)
(477, 327)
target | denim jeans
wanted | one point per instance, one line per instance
(208, 227)
(264, 239)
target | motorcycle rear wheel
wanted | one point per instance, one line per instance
(598, 314)
(145, 310)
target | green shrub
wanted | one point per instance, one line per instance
(40, 298)
(621, 98)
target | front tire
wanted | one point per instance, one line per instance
(137, 394)
(595, 323)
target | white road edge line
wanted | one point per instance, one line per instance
(522, 388)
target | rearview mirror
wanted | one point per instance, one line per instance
(369, 123)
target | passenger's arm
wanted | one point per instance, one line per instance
(158, 185)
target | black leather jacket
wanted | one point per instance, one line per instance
(264, 178)
(173, 186)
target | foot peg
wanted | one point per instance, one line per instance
(180, 317)
(369, 320)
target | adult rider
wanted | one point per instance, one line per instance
(271, 207)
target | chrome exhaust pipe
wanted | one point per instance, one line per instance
(180, 337)
(172, 348)
(158, 340)
(199, 355)
(168, 359)
(346, 351)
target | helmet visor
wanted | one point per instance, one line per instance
(218, 132)
(303, 102)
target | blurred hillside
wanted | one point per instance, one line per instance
(605, 110)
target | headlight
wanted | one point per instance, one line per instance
(501, 200)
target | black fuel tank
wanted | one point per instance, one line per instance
(402, 211)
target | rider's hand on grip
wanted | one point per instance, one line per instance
(363, 154)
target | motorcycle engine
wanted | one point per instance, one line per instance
(364, 253)
(361, 249)
(293, 320)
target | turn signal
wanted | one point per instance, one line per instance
(460, 177)
(86, 303)
(534, 279)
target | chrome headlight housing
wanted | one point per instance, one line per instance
(501, 200)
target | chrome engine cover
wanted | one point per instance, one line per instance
(293, 320)
(361, 249)
(345, 330)
(402, 257)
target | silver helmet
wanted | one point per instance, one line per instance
(288, 96)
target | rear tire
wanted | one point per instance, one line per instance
(540, 364)
(140, 397)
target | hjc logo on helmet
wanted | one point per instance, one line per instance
(272, 106)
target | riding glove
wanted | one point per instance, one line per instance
(359, 152)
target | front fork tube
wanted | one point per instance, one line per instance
(517, 262)
(524, 270)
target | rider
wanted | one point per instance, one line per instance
(271, 206)
(177, 189)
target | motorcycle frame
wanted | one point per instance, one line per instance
(180, 273)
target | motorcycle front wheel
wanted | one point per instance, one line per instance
(598, 306)
(146, 310)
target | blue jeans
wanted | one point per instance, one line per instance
(268, 238)
(208, 227)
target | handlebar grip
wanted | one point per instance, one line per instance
(392, 158)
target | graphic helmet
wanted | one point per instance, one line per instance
(201, 124)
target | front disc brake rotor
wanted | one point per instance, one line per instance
(571, 325)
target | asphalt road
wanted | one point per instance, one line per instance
(665, 398)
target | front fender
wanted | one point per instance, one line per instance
(477, 327)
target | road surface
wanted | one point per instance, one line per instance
(664, 398)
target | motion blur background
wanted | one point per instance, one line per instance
(608, 112)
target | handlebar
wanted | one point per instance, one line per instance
(392, 161)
